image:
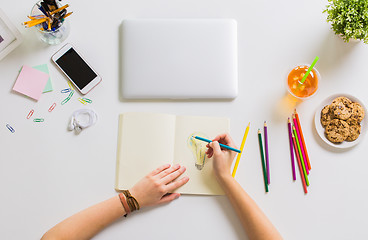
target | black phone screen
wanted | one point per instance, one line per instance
(76, 68)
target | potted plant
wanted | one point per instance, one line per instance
(348, 18)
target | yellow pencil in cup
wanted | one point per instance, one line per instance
(241, 149)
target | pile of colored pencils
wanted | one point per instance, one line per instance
(51, 18)
(264, 156)
(297, 145)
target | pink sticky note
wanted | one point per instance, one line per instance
(31, 82)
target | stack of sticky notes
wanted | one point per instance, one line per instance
(32, 82)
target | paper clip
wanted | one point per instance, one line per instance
(52, 107)
(87, 100)
(68, 98)
(71, 94)
(38, 120)
(65, 100)
(30, 114)
(82, 101)
(10, 128)
(70, 85)
(66, 90)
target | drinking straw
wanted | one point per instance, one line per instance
(300, 167)
(266, 152)
(301, 156)
(241, 149)
(291, 149)
(301, 146)
(309, 69)
(302, 138)
(263, 160)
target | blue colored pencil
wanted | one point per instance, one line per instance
(221, 145)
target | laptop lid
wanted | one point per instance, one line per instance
(179, 59)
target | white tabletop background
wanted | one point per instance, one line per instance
(48, 173)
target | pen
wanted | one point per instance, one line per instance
(221, 145)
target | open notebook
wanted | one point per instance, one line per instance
(147, 141)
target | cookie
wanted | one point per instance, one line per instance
(344, 100)
(326, 116)
(340, 110)
(337, 131)
(352, 121)
(357, 111)
(354, 129)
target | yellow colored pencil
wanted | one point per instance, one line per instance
(59, 9)
(241, 149)
(36, 22)
(68, 14)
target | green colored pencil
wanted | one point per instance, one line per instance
(301, 156)
(263, 159)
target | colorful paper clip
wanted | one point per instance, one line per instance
(68, 98)
(52, 107)
(71, 94)
(87, 100)
(30, 114)
(10, 128)
(82, 101)
(65, 100)
(70, 85)
(38, 120)
(66, 90)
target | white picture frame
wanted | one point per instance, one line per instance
(10, 37)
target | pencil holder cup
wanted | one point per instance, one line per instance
(53, 36)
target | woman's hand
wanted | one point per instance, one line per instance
(222, 158)
(153, 189)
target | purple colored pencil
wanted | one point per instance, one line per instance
(266, 152)
(301, 145)
(291, 149)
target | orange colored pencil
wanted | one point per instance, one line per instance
(302, 138)
(300, 166)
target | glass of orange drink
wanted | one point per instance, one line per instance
(306, 89)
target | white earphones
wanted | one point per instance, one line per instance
(77, 124)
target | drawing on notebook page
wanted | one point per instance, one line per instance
(198, 149)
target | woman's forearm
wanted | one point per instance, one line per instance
(255, 223)
(87, 223)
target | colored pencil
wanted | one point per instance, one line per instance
(221, 145)
(266, 152)
(301, 146)
(300, 167)
(59, 9)
(241, 149)
(302, 138)
(68, 14)
(263, 160)
(291, 149)
(301, 157)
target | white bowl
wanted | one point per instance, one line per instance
(321, 130)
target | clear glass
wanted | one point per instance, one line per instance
(314, 89)
(51, 37)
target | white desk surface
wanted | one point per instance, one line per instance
(48, 173)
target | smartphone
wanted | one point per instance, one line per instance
(73, 65)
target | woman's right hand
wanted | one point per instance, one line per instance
(222, 158)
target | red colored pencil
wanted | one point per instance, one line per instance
(302, 138)
(300, 166)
